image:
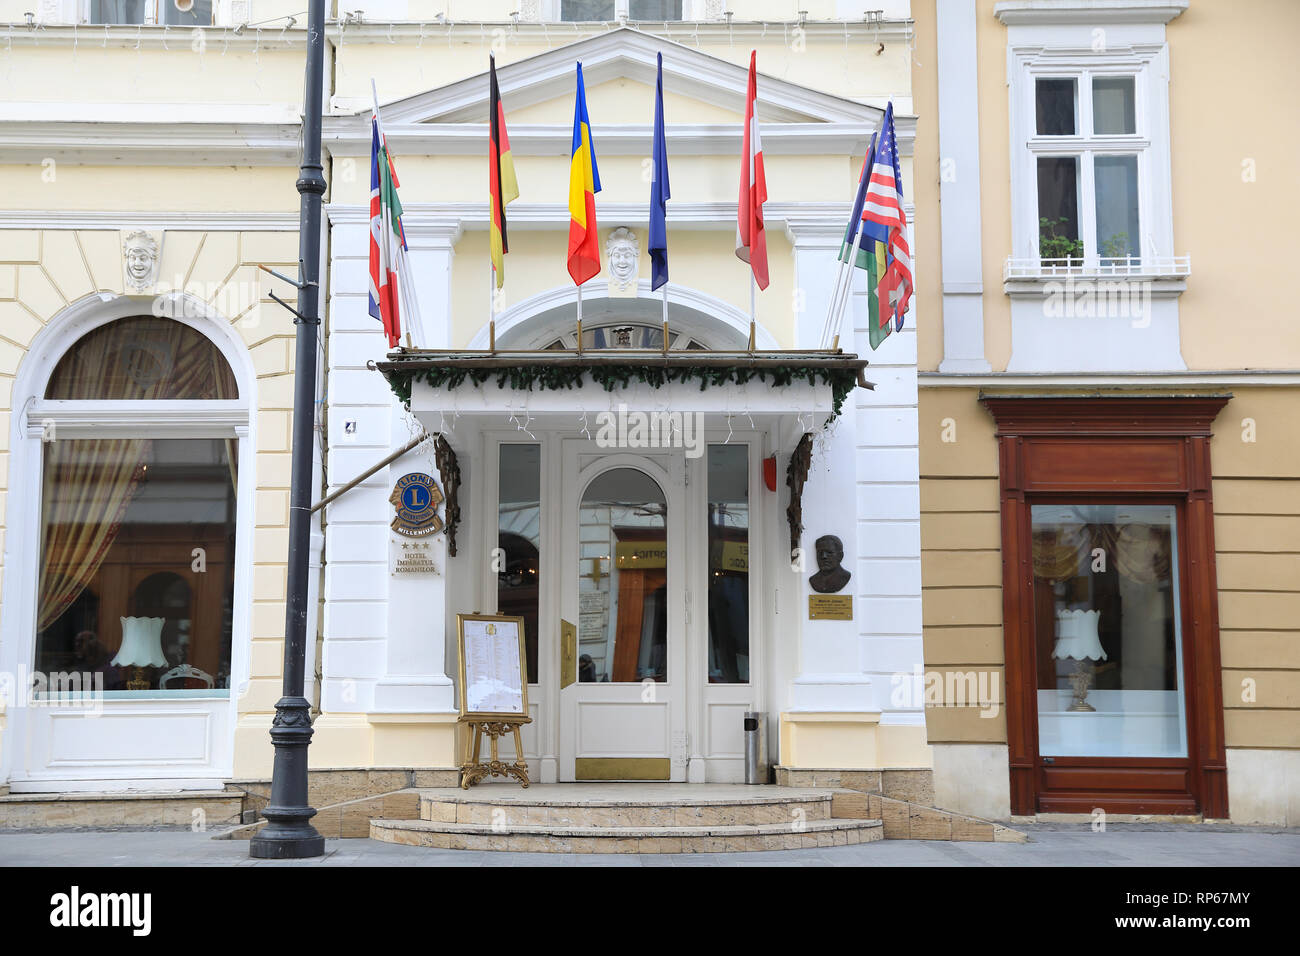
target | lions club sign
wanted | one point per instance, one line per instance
(416, 498)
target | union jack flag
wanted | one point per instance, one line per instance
(884, 208)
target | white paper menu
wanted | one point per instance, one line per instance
(493, 682)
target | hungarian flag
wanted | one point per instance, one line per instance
(503, 188)
(584, 183)
(389, 269)
(751, 241)
(884, 209)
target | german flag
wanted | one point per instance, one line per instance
(503, 188)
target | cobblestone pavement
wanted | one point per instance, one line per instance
(1050, 845)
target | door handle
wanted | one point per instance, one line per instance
(568, 654)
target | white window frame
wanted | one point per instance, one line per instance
(1148, 64)
(691, 10)
(79, 11)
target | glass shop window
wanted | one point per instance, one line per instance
(728, 522)
(137, 575)
(1108, 631)
(519, 536)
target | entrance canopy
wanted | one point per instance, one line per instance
(787, 393)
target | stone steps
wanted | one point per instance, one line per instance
(120, 808)
(523, 838)
(458, 807)
(627, 818)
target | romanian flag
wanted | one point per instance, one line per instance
(584, 183)
(503, 188)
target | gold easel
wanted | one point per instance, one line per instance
(473, 769)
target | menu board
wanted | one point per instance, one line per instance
(492, 665)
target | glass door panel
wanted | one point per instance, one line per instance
(623, 579)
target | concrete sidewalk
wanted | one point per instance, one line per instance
(1050, 845)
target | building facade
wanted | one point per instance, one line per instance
(1066, 502)
(149, 165)
(1108, 481)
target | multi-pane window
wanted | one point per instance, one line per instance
(604, 10)
(1089, 158)
(174, 13)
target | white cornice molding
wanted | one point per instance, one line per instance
(1091, 13)
(350, 136)
(419, 217)
(1209, 378)
(271, 37)
(198, 221)
(153, 143)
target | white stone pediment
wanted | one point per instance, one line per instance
(627, 54)
(704, 104)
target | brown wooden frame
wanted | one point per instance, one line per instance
(1152, 449)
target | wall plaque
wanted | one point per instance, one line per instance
(830, 607)
(410, 557)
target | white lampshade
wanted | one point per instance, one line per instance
(1076, 636)
(141, 642)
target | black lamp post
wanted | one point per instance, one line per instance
(289, 833)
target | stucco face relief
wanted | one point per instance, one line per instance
(140, 251)
(623, 253)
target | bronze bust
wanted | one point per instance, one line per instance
(830, 576)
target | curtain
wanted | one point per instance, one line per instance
(89, 483)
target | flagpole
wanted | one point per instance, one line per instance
(579, 318)
(835, 318)
(753, 322)
(665, 296)
(492, 307)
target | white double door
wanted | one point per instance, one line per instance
(623, 569)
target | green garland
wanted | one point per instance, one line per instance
(555, 377)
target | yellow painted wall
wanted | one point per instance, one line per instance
(1244, 271)
(133, 188)
(961, 559)
(1257, 539)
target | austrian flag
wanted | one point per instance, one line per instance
(751, 240)
(389, 269)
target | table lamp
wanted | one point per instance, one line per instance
(141, 648)
(1077, 639)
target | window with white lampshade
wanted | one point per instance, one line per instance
(1108, 630)
(136, 576)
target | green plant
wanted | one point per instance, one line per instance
(1116, 247)
(1054, 246)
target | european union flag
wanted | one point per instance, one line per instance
(659, 192)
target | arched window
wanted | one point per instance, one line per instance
(139, 470)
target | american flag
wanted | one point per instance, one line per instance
(884, 207)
